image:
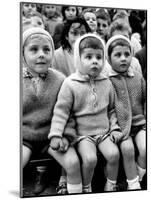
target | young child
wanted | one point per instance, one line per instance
(33, 19)
(68, 13)
(90, 17)
(103, 22)
(120, 27)
(89, 96)
(28, 8)
(63, 56)
(41, 85)
(130, 108)
(51, 17)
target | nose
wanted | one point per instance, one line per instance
(123, 58)
(41, 53)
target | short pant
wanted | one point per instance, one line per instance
(135, 130)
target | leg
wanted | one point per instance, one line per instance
(26, 155)
(71, 164)
(111, 153)
(140, 141)
(87, 151)
(128, 153)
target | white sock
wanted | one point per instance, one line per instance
(110, 185)
(87, 188)
(74, 188)
(134, 184)
(141, 172)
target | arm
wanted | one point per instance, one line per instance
(61, 110)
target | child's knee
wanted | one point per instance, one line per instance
(72, 165)
(90, 161)
(128, 151)
(114, 156)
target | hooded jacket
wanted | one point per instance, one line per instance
(91, 102)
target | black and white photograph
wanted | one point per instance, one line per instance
(83, 114)
(81, 101)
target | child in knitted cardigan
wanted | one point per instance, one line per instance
(130, 107)
(41, 85)
(89, 96)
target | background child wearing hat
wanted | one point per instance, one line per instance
(130, 108)
(89, 96)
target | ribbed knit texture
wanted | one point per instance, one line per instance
(38, 105)
(130, 100)
(90, 101)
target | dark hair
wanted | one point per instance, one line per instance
(119, 25)
(64, 42)
(118, 42)
(90, 42)
(102, 14)
(64, 8)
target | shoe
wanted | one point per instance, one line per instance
(110, 187)
(62, 188)
(40, 183)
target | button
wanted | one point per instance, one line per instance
(94, 89)
(123, 92)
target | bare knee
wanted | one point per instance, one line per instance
(113, 157)
(72, 165)
(128, 151)
(89, 161)
(26, 155)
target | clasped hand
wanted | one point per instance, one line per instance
(116, 136)
(59, 144)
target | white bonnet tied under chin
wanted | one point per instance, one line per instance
(34, 31)
(77, 60)
(113, 39)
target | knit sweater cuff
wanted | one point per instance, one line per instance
(51, 135)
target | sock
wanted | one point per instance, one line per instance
(110, 185)
(87, 188)
(134, 184)
(74, 188)
(141, 172)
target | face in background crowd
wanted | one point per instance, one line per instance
(76, 30)
(90, 18)
(33, 21)
(28, 8)
(49, 10)
(102, 27)
(38, 54)
(70, 12)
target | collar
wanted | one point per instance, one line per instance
(27, 74)
(130, 73)
(85, 78)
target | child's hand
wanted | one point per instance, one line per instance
(56, 143)
(116, 136)
(65, 145)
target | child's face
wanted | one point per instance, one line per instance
(34, 21)
(102, 27)
(38, 54)
(92, 61)
(76, 30)
(28, 8)
(91, 20)
(50, 10)
(120, 58)
(70, 12)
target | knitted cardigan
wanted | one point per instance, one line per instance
(90, 101)
(38, 107)
(130, 100)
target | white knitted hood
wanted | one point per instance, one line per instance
(113, 39)
(77, 60)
